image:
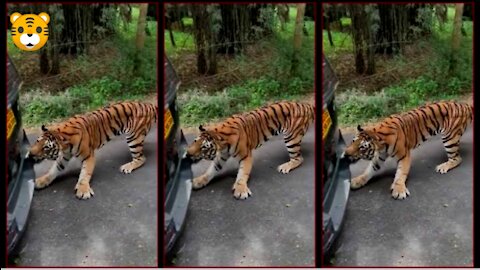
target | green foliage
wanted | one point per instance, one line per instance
(267, 19)
(356, 107)
(109, 19)
(425, 18)
(275, 82)
(199, 107)
(39, 107)
(342, 42)
(437, 82)
(280, 68)
(119, 82)
(346, 21)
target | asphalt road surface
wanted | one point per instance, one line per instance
(273, 227)
(432, 227)
(117, 227)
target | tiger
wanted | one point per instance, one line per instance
(398, 134)
(240, 134)
(81, 135)
(29, 31)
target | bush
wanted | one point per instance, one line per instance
(201, 107)
(356, 107)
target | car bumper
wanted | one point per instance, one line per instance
(334, 215)
(19, 206)
(177, 199)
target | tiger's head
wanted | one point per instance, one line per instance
(29, 31)
(205, 146)
(364, 146)
(47, 146)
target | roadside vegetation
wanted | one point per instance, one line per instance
(261, 74)
(112, 69)
(422, 73)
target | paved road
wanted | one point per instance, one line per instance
(432, 227)
(117, 227)
(273, 227)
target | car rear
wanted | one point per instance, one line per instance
(178, 172)
(336, 171)
(20, 173)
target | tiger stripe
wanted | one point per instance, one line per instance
(81, 135)
(238, 135)
(398, 134)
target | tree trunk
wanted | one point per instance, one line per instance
(53, 40)
(44, 66)
(456, 36)
(239, 25)
(140, 39)
(396, 24)
(283, 15)
(44, 63)
(297, 38)
(357, 33)
(369, 42)
(329, 33)
(204, 40)
(172, 39)
(441, 14)
(74, 38)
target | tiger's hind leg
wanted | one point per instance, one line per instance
(293, 142)
(135, 143)
(451, 142)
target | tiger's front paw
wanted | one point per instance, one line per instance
(358, 182)
(199, 182)
(399, 191)
(83, 191)
(42, 182)
(241, 191)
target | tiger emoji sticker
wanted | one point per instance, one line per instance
(29, 31)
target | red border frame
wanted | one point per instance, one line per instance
(315, 131)
(6, 141)
(473, 132)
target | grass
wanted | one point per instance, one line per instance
(199, 107)
(239, 87)
(404, 81)
(87, 82)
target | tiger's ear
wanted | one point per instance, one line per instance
(44, 17)
(14, 17)
(201, 128)
(44, 129)
(359, 128)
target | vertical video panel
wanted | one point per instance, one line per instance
(237, 76)
(397, 135)
(82, 134)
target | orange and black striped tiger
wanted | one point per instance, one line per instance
(397, 135)
(81, 135)
(238, 135)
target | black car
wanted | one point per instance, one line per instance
(336, 171)
(178, 171)
(20, 170)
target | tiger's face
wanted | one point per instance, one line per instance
(29, 31)
(46, 146)
(362, 147)
(203, 147)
